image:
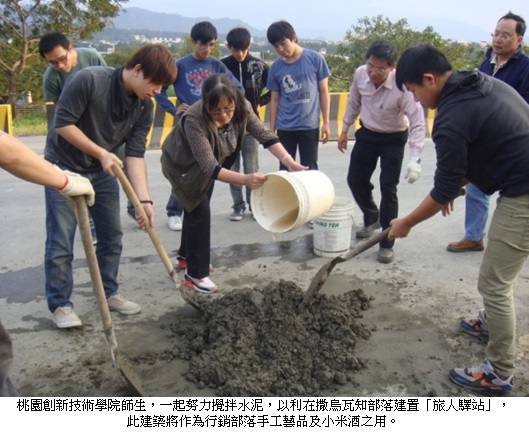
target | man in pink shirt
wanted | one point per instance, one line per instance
(387, 116)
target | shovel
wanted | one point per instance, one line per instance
(121, 365)
(323, 273)
(129, 191)
(321, 276)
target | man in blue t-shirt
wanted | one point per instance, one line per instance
(193, 70)
(298, 80)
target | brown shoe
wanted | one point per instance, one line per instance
(465, 245)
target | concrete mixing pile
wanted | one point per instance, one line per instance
(262, 342)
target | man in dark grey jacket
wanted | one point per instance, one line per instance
(100, 109)
(481, 135)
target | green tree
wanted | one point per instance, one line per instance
(120, 55)
(22, 23)
(351, 54)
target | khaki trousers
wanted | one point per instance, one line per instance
(505, 255)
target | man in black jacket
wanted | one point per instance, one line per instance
(252, 73)
(481, 135)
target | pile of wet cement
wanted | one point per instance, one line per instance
(263, 342)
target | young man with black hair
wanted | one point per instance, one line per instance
(252, 73)
(63, 60)
(299, 85)
(192, 71)
(481, 135)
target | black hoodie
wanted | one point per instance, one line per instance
(481, 132)
(252, 73)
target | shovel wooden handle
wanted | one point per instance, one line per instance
(81, 213)
(129, 191)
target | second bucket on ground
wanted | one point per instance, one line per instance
(332, 230)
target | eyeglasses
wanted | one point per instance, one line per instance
(380, 70)
(227, 112)
(502, 36)
(60, 61)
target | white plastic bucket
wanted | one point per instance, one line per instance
(287, 200)
(332, 231)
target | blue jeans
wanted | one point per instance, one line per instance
(173, 207)
(250, 160)
(60, 233)
(476, 213)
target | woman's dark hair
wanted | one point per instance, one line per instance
(220, 86)
(419, 60)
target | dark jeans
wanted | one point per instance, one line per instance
(368, 148)
(195, 242)
(306, 140)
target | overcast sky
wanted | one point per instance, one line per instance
(455, 19)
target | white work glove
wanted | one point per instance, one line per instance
(413, 169)
(77, 185)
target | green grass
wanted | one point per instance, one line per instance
(30, 124)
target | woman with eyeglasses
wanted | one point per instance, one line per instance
(201, 149)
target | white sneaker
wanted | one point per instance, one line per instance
(65, 317)
(175, 223)
(118, 303)
(204, 285)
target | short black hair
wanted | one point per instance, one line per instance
(419, 60)
(280, 30)
(382, 49)
(52, 40)
(203, 32)
(520, 22)
(239, 38)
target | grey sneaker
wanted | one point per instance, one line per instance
(476, 327)
(237, 215)
(65, 317)
(367, 231)
(482, 379)
(118, 303)
(385, 255)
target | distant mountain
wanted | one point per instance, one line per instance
(142, 19)
(139, 19)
